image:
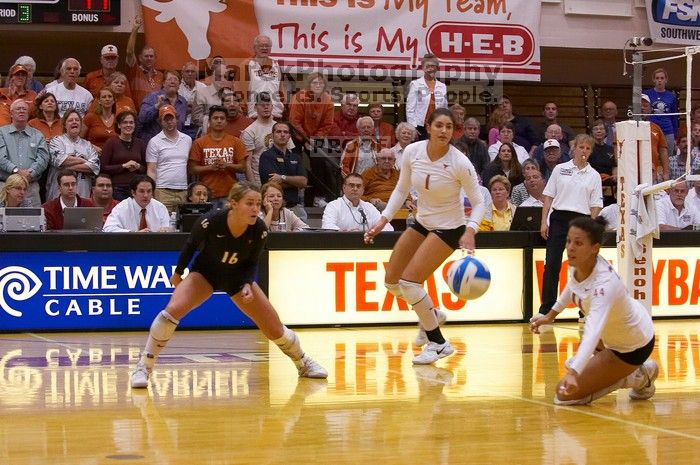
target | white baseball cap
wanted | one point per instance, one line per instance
(110, 50)
(551, 143)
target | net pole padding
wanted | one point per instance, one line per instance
(634, 167)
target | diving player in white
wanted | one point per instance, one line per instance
(438, 171)
(621, 323)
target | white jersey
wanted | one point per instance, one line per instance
(438, 184)
(612, 316)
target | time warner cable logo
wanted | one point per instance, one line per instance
(677, 13)
(18, 284)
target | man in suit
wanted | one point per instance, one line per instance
(67, 197)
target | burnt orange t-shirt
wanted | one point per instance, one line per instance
(206, 151)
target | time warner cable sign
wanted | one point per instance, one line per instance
(674, 21)
(97, 290)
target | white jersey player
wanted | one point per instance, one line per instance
(439, 172)
(622, 324)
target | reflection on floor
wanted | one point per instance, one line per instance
(231, 397)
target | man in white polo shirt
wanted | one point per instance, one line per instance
(674, 212)
(166, 159)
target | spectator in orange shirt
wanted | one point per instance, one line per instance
(236, 121)
(380, 180)
(216, 157)
(311, 111)
(47, 120)
(96, 80)
(98, 126)
(144, 78)
(17, 88)
(460, 113)
(383, 131)
(118, 84)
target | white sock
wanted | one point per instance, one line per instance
(289, 344)
(161, 331)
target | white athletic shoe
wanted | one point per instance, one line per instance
(649, 370)
(139, 378)
(309, 368)
(422, 337)
(433, 352)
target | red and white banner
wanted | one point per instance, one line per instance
(489, 39)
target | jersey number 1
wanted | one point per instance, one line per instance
(230, 258)
(427, 182)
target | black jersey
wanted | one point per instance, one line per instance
(223, 259)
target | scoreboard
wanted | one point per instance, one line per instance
(61, 12)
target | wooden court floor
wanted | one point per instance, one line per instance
(230, 397)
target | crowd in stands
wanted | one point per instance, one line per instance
(140, 141)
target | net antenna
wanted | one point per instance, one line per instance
(637, 222)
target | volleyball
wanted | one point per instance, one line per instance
(468, 278)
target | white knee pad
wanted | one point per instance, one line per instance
(412, 292)
(394, 288)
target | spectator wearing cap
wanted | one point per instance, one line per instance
(659, 145)
(551, 158)
(553, 131)
(604, 161)
(264, 75)
(144, 78)
(189, 87)
(148, 114)
(69, 94)
(23, 150)
(96, 80)
(30, 65)
(17, 88)
(166, 159)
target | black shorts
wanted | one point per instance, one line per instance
(228, 284)
(637, 356)
(448, 236)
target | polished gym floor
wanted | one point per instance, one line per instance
(230, 397)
